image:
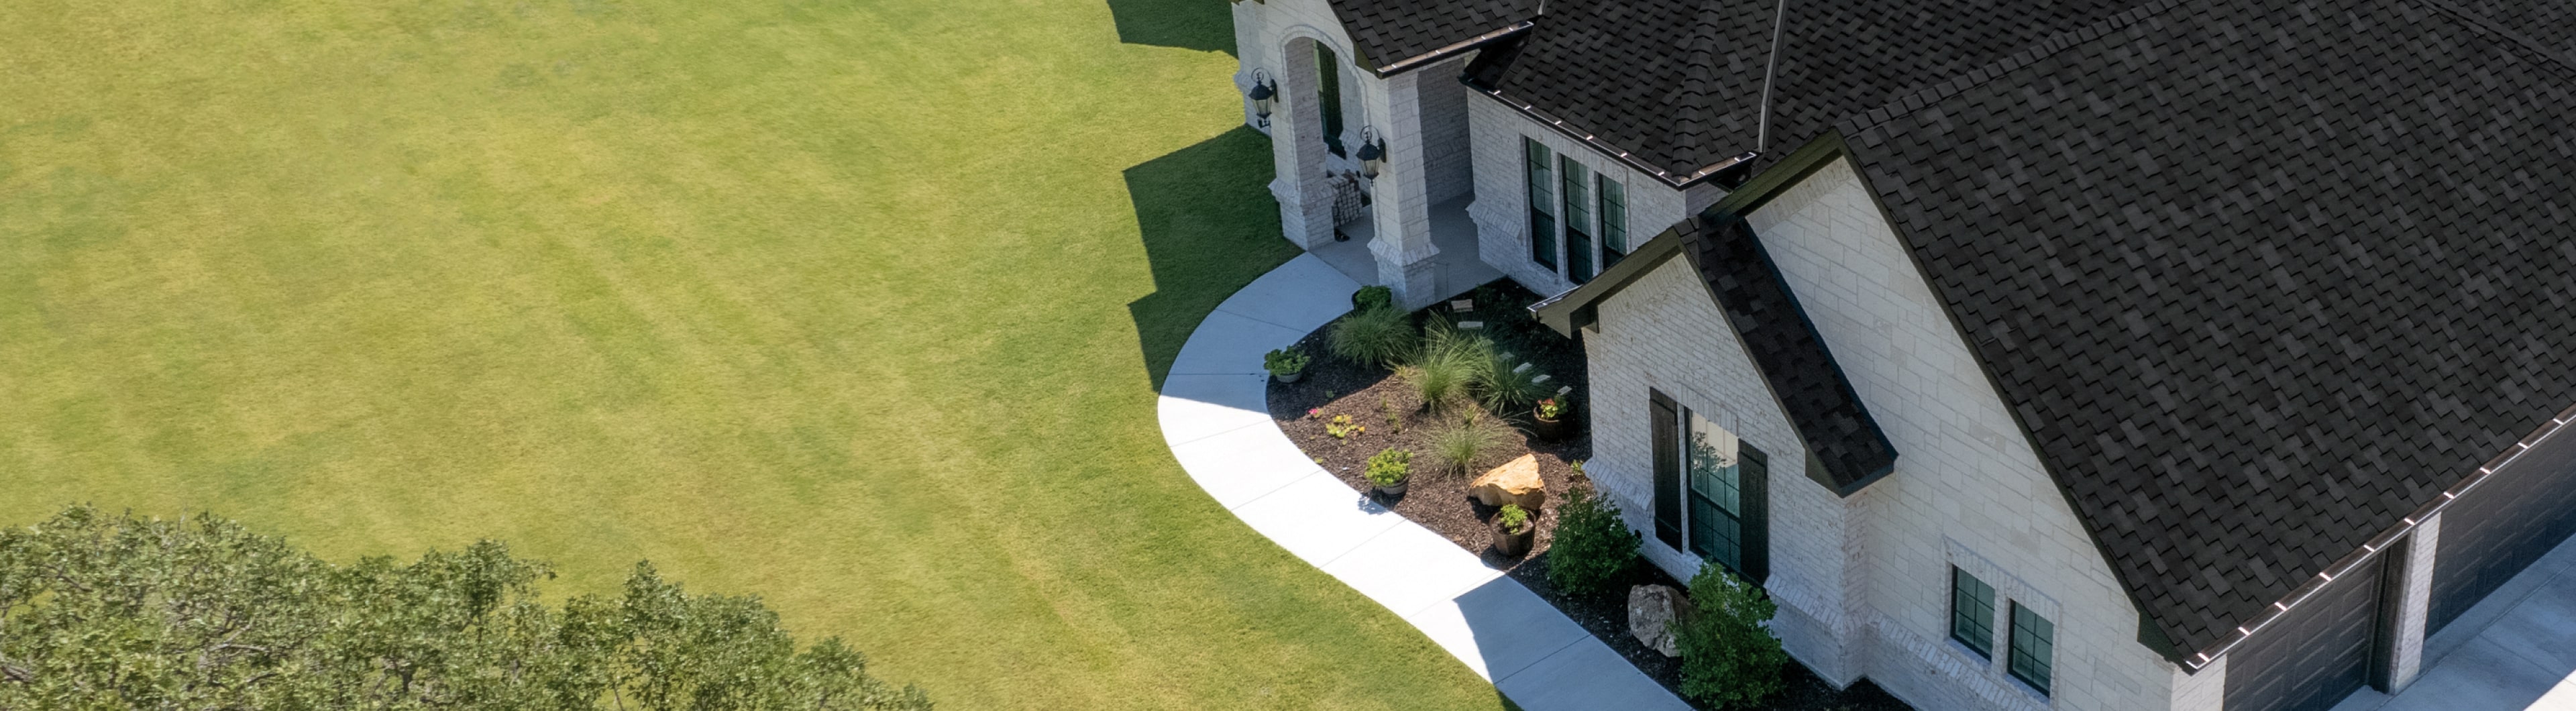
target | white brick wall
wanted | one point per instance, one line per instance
(1967, 485)
(1665, 332)
(1501, 208)
(1864, 580)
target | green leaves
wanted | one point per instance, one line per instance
(1593, 546)
(119, 612)
(1729, 659)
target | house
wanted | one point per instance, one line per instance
(2032, 354)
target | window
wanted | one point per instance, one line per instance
(1578, 219)
(2033, 642)
(1614, 222)
(1542, 201)
(1972, 612)
(1724, 485)
(1328, 74)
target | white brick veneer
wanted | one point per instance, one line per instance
(1501, 209)
(1864, 580)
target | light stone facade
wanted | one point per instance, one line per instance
(1864, 581)
(1501, 209)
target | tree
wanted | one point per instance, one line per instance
(101, 611)
(1729, 660)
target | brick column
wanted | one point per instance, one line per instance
(1297, 149)
(1401, 199)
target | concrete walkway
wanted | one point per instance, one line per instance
(2512, 651)
(1216, 420)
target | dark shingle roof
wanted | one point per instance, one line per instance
(2259, 277)
(1679, 83)
(1391, 31)
(1840, 434)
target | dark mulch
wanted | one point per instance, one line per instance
(1369, 394)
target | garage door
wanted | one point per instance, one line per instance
(2500, 527)
(2315, 655)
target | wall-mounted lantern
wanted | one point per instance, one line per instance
(1264, 93)
(1372, 153)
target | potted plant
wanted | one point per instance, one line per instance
(1388, 471)
(1549, 416)
(1515, 528)
(1372, 297)
(1286, 365)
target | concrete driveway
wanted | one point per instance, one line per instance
(2515, 650)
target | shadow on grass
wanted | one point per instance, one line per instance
(1210, 226)
(1206, 25)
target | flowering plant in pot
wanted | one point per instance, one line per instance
(1515, 529)
(1550, 417)
(1286, 365)
(1389, 470)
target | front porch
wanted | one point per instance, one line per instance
(1456, 270)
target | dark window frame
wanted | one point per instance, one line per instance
(1978, 634)
(1664, 416)
(1614, 218)
(1539, 178)
(1575, 188)
(1328, 96)
(2033, 668)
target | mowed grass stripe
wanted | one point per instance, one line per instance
(857, 306)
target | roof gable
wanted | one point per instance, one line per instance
(2259, 277)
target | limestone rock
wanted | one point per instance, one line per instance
(1652, 611)
(1515, 482)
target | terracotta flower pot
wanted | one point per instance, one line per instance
(1514, 545)
(1551, 430)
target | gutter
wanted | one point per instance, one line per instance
(2354, 560)
(1453, 49)
(1614, 152)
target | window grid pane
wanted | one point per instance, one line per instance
(2033, 642)
(1542, 204)
(1972, 612)
(1716, 492)
(1578, 218)
(1614, 221)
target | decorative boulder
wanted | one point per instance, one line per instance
(1515, 482)
(1652, 611)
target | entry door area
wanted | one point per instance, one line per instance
(2317, 654)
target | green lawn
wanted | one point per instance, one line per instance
(858, 306)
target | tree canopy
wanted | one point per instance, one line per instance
(101, 611)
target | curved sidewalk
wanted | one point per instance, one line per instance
(1216, 419)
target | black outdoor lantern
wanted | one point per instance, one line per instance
(1372, 153)
(1263, 93)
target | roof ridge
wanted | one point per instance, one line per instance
(2489, 25)
(2043, 49)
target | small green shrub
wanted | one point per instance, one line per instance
(1501, 389)
(1373, 297)
(1394, 419)
(1456, 445)
(1389, 466)
(1514, 519)
(1594, 547)
(1285, 362)
(1451, 363)
(1729, 660)
(1381, 335)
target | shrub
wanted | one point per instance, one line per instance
(1284, 362)
(113, 611)
(1593, 548)
(1450, 364)
(1503, 390)
(1389, 466)
(1456, 445)
(1381, 335)
(1372, 297)
(1729, 659)
(1514, 519)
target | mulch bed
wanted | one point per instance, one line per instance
(1370, 395)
